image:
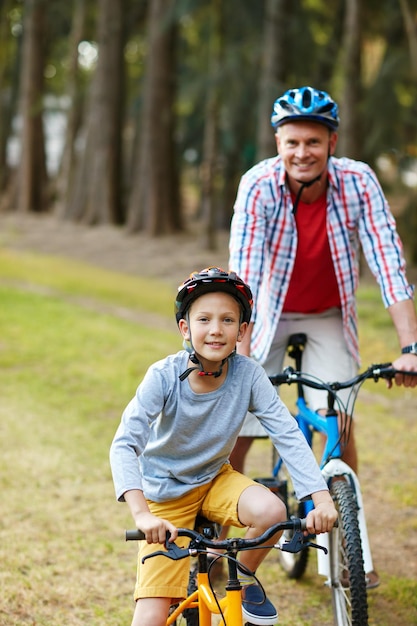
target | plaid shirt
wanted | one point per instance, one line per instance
(263, 243)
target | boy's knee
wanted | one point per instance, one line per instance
(272, 510)
(261, 508)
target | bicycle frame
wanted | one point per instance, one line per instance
(331, 466)
(230, 606)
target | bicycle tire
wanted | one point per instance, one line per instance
(294, 565)
(191, 615)
(192, 618)
(347, 575)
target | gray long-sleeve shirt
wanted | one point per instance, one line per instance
(171, 439)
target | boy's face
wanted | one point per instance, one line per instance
(214, 326)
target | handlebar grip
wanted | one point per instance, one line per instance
(134, 535)
(279, 379)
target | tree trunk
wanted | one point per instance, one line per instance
(272, 73)
(410, 27)
(66, 171)
(8, 88)
(97, 193)
(31, 178)
(154, 200)
(211, 130)
(350, 134)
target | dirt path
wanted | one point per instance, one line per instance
(170, 258)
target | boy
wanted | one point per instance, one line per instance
(169, 457)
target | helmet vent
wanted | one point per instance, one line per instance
(285, 105)
(306, 99)
(326, 108)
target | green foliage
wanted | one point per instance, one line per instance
(67, 372)
(79, 279)
(63, 349)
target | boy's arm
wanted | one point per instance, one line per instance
(322, 518)
(155, 528)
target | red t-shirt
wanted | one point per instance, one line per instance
(313, 286)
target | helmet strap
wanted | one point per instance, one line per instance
(300, 191)
(194, 359)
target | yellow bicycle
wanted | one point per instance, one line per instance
(202, 602)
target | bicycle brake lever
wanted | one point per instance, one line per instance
(172, 551)
(309, 544)
(299, 542)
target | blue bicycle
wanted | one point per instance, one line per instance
(348, 558)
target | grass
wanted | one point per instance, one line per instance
(69, 363)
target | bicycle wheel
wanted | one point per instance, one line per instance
(347, 575)
(294, 565)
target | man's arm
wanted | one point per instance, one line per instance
(404, 317)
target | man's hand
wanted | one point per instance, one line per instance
(406, 362)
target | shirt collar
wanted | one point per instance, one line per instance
(331, 173)
(282, 175)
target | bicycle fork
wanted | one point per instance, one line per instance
(338, 468)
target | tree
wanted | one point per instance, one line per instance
(410, 27)
(350, 135)
(154, 203)
(210, 158)
(29, 185)
(74, 118)
(96, 197)
(9, 73)
(273, 72)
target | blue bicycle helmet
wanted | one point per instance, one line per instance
(307, 104)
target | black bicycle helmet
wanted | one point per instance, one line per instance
(307, 104)
(213, 279)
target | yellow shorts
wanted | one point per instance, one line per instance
(216, 500)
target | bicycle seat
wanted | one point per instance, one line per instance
(206, 527)
(297, 340)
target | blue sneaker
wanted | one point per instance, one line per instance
(256, 608)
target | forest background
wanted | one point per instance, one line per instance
(125, 127)
(144, 114)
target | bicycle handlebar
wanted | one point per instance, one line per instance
(199, 541)
(376, 371)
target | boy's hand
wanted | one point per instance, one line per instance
(322, 518)
(155, 528)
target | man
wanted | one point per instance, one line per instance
(299, 221)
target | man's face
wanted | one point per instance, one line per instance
(304, 148)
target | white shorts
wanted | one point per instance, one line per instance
(325, 355)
